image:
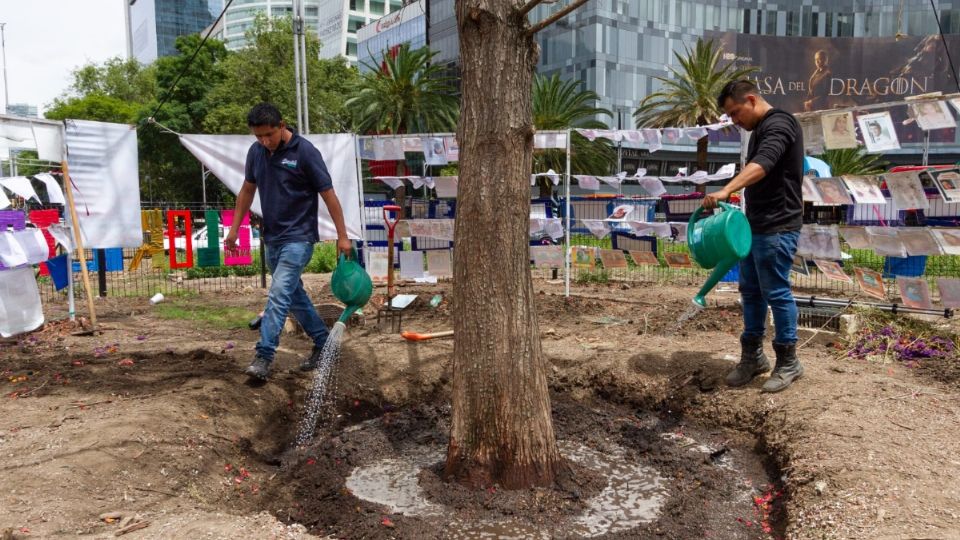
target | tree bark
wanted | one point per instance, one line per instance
(501, 430)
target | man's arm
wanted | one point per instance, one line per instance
(751, 174)
(336, 213)
(244, 202)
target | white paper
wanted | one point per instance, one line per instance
(390, 148)
(53, 188)
(438, 263)
(33, 245)
(838, 130)
(622, 212)
(588, 182)
(446, 186)
(434, 152)
(949, 240)
(597, 227)
(17, 134)
(20, 185)
(724, 172)
(906, 190)
(4, 201)
(878, 132)
(411, 264)
(367, 148)
(412, 144)
(11, 252)
(652, 138)
(62, 234)
(610, 134)
(652, 185)
(919, 241)
(865, 189)
(452, 149)
(809, 190)
(695, 133)
(548, 141)
(678, 231)
(49, 141)
(613, 181)
(589, 134)
(886, 241)
(932, 115)
(20, 307)
(377, 263)
(402, 301)
(819, 242)
(392, 181)
(671, 135)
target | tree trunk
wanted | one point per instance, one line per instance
(501, 430)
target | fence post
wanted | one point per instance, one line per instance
(102, 271)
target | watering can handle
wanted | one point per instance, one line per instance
(353, 256)
(696, 213)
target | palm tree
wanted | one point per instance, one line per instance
(405, 94)
(560, 105)
(852, 161)
(689, 98)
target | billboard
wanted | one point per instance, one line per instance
(800, 74)
(332, 28)
(406, 25)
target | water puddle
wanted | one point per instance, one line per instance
(633, 495)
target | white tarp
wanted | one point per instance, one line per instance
(106, 183)
(226, 155)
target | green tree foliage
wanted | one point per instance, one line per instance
(265, 72)
(560, 105)
(405, 93)
(853, 161)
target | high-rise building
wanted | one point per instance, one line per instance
(406, 26)
(153, 26)
(22, 109)
(334, 21)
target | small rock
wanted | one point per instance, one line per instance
(624, 286)
(550, 332)
(820, 487)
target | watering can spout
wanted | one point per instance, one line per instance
(719, 271)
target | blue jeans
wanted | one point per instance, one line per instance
(765, 281)
(286, 263)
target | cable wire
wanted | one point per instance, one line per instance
(945, 47)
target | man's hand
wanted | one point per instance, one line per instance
(230, 242)
(712, 200)
(345, 246)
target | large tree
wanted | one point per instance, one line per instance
(501, 429)
(689, 97)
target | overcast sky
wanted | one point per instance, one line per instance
(47, 39)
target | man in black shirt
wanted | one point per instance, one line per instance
(774, 205)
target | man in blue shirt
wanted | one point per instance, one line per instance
(288, 172)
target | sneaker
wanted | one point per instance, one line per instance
(313, 360)
(260, 368)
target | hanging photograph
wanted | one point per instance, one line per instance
(832, 191)
(453, 149)
(856, 237)
(677, 260)
(865, 189)
(671, 135)
(919, 241)
(878, 132)
(809, 191)
(368, 148)
(948, 182)
(583, 257)
(612, 258)
(812, 130)
(446, 186)
(644, 258)
(411, 264)
(799, 266)
(871, 282)
(839, 131)
(832, 270)
(622, 212)
(886, 241)
(949, 240)
(434, 153)
(949, 292)
(819, 242)
(412, 144)
(914, 292)
(547, 256)
(438, 263)
(906, 190)
(377, 265)
(932, 115)
(391, 148)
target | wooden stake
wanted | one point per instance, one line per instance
(78, 240)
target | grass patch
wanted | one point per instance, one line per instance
(216, 316)
(593, 276)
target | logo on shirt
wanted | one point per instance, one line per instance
(289, 163)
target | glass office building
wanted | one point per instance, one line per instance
(406, 26)
(335, 22)
(153, 26)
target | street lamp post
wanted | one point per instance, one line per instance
(3, 48)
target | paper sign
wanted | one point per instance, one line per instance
(839, 131)
(452, 148)
(856, 237)
(865, 189)
(583, 257)
(377, 263)
(914, 292)
(919, 241)
(948, 182)
(949, 240)
(832, 191)
(677, 260)
(644, 258)
(906, 190)
(446, 186)
(612, 258)
(832, 270)
(438, 263)
(949, 292)
(411, 264)
(932, 115)
(434, 153)
(878, 132)
(547, 256)
(871, 283)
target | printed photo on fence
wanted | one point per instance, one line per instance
(865, 189)
(832, 270)
(906, 190)
(412, 144)
(856, 237)
(583, 257)
(948, 182)
(919, 241)
(886, 241)
(411, 264)
(644, 258)
(377, 265)
(434, 152)
(839, 131)
(677, 260)
(949, 292)
(819, 242)
(870, 282)
(452, 149)
(438, 263)
(878, 132)
(613, 258)
(800, 266)
(914, 292)
(809, 190)
(932, 115)
(949, 240)
(547, 256)
(622, 212)
(832, 191)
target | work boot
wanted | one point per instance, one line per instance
(787, 370)
(753, 362)
(260, 368)
(311, 362)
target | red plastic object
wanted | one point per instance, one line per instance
(43, 219)
(172, 216)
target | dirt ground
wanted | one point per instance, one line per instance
(154, 419)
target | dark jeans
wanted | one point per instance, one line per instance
(765, 281)
(286, 263)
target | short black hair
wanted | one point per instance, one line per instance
(737, 90)
(264, 114)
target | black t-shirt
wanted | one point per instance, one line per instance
(775, 203)
(288, 182)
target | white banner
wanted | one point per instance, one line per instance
(106, 183)
(226, 155)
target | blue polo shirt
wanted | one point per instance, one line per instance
(288, 182)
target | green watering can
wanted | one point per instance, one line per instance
(719, 242)
(351, 285)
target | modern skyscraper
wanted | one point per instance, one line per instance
(334, 21)
(22, 109)
(154, 25)
(407, 25)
